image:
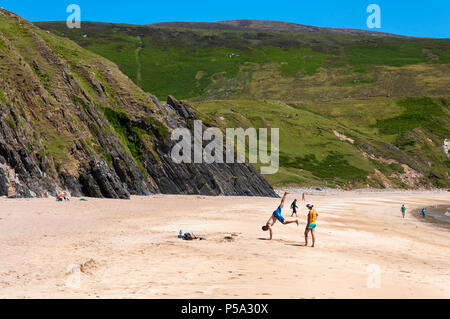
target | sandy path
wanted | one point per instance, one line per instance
(130, 248)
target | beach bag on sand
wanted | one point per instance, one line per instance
(189, 236)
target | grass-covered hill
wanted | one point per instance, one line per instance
(71, 120)
(355, 108)
(268, 26)
(229, 64)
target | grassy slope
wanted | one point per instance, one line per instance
(50, 112)
(311, 154)
(306, 84)
(222, 64)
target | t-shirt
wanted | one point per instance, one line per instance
(313, 217)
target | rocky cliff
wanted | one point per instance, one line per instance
(70, 120)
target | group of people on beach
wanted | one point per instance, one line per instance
(403, 210)
(310, 221)
(62, 197)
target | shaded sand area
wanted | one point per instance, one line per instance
(130, 249)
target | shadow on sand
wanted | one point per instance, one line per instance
(284, 241)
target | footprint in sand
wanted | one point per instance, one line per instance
(89, 266)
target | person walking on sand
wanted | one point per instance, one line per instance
(294, 208)
(424, 213)
(277, 216)
(311, 224)
(303, 197)
(403, 209)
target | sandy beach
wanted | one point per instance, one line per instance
(129, 249)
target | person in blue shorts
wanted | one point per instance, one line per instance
(311, 224)
(277, 216)
(424, 212)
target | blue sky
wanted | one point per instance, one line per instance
(415, 18)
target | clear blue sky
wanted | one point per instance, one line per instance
(413, 17)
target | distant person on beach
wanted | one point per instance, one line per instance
(424, 213)
(66, 196)
(294, 208)
(277, 216)
(62, 196)
(311, 224)
(403, 210)
(303, 197)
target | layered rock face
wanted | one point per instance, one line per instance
(70, 120)
(209, 179)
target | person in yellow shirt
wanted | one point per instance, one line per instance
(311, 224)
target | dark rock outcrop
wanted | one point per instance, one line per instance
(24, 175)
(209, 179)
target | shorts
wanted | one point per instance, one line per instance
(312, 226)
(277, 215)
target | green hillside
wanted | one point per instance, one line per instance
(218, 64)
(353, 110)
(351, 143)
(71, 121)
